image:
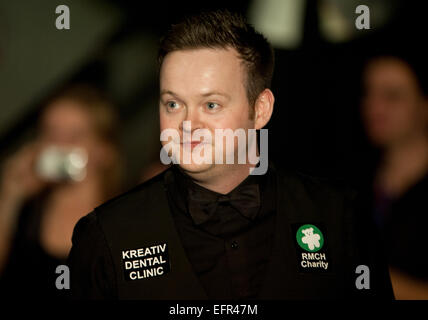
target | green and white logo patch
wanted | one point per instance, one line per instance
(311, 248)
(310, 238)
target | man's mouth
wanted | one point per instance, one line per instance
(190, 144)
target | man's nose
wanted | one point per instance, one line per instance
(191, 121)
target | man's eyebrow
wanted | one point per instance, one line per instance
(167, 92)
(215, 93)
(207, 94)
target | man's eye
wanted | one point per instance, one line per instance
(172, 105)
(212, 105)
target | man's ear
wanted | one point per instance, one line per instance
(263, 108)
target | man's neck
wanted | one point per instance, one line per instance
(222, 178)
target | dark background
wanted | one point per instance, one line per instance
(112, 44)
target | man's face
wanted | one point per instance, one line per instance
(206, 87)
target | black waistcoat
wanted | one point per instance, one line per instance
(142, 219)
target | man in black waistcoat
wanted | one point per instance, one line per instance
(217, 230)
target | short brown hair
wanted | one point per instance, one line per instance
(223, 29)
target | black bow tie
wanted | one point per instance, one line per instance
(203, 205)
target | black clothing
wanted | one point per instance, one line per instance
(402, 222)
(30, 271)
(228, 249)
(204, 205)
(138, 246)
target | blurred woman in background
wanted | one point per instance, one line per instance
(49, 184)
(395, 114)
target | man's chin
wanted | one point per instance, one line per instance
(196, 168)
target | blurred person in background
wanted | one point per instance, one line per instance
(152, 169)
(395, 114)
(154, 166)
(49, 184)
